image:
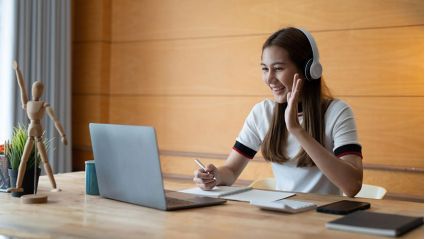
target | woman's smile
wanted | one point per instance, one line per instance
(278, 90)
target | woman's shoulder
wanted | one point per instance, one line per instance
(338, 105)
(264, 105)
(338, 108)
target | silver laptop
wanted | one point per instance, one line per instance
(128, 168)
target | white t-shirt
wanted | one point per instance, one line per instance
(340, 138)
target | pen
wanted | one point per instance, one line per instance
(201, 165)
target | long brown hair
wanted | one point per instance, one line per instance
(315, 98)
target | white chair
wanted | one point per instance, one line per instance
(371, 191)
(367, 191)
(265, 183)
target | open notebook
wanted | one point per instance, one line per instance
(246, 194)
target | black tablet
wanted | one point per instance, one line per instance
(343, 207)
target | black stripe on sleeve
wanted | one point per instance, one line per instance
(348, 149)
(245, 151)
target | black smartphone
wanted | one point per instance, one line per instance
(343, 207)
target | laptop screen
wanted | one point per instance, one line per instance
(127, 164)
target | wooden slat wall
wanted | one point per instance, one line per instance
(230, 65)
(191, 69)
(91, 43)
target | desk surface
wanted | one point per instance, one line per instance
(71, 214)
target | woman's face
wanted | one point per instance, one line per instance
(278, 71)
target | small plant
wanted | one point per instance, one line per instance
(15, 148)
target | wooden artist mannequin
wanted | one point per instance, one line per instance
(35, 109)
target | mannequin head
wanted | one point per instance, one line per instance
(37, 90)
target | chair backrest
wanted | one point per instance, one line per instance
(265, 183)
(371, 191)
(367, 191)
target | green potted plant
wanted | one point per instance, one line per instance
(13, 152)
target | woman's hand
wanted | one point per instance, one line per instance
(206, 179)
(291, 112)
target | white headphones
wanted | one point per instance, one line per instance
(313, 68)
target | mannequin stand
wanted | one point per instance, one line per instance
(34, 198)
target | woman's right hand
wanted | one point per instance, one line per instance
(206, 179)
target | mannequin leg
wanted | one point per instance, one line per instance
(43, 155)
(23, 165)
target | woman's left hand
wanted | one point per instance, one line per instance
(291, 112)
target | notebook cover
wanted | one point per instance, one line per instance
(376, 223)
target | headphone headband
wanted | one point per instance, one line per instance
(313, 69)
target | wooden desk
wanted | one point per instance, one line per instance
(72, 214)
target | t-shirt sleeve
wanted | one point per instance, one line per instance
(248, 141)
(345, 133)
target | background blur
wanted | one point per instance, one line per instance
(191, 69)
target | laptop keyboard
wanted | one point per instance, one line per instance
(172, 202)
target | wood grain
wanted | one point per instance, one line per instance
(396, 182)
(87, 109)
(79, 157)
(92, 20)
(211, 124)
(72, 214)
(191, 69)
(378, 62)
(91, 68)
(172, 19)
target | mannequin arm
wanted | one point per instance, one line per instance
(20, 78)
(58, 125)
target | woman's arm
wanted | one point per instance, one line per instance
(232, 168)
(345, 172)
(224, 175)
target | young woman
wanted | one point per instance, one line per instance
(309, 137)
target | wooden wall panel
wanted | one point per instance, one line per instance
(91, 68)
(390, 129)
(378, 62)
(92, 20)
(191, 69)
(79, 157)
(90, 71)
(87, 109)
(200, 124)
(211, 124)
(171, 19)
(231, 66)
(396, 182)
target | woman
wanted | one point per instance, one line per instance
(309, 137)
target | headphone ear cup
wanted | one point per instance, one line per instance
(315, 70)
(312, 70)
(307, 70)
